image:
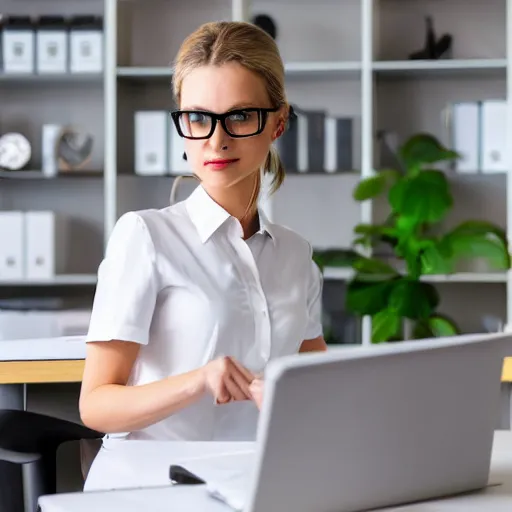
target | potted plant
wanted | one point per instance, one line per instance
(419, 199)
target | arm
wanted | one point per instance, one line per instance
(107, 404)
(315, 345)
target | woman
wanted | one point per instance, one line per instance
(193, 300)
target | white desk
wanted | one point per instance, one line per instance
(140, 464)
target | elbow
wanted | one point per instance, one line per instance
(87, 416)
(90, 415)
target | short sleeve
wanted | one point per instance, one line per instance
(314, 302)
(127, 286)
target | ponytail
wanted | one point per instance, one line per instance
(274, 165)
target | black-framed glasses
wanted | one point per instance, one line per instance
(200, 124)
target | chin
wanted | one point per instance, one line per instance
(221, 179)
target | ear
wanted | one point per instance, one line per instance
(279, 130)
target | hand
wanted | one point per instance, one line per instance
(256, 390)
(227, 380)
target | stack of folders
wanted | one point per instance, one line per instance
(33, 244)
(317, 142)
(479, 134)
(158, 147)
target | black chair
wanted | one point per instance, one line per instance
(30, 441)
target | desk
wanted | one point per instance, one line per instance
(42, 360)
(62, 360)
(38, 361)
(178, 498)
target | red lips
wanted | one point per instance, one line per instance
(221, 161)
(219, 164)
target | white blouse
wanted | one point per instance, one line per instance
(183, 283)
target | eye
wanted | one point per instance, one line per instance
(197, 117)
(241, 116)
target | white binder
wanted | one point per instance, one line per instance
(151, 136)
(11, 246)
(494, 136)
(46, 244)
(466, 136)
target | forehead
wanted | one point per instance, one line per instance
(220, 88)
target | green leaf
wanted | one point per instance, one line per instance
(413, 299)
(433, 261)
(335, 257)
(386, 325)
(442, 326)
(436, 326)
(424, 198)
(373, 266)
(422, 330)
(481, 227)
(375, 185)
(369, 188)
(367, 297)
(487, 246)
(424, 149)
(362, 240)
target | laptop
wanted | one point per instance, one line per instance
(354, 429)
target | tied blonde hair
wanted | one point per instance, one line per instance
(218, 43)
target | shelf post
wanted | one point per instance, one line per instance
(509, 154)
(367, 123)
(110, 102)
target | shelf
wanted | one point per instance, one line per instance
(345, 274)
(292, 69)
(38, 175)
(321, 69)
(60, 280)
(51, 79)
(133, 73)
(464, 67)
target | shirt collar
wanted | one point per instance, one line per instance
(208, 216)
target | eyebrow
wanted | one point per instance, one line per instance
(237, 106)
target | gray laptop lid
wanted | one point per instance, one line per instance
(353, 429)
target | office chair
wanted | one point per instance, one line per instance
(30, 440)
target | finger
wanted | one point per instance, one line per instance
(257, 392)
(241, 381)
(248, 375)
(222, 396)
(233, 389)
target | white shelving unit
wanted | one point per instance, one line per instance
(349, 57)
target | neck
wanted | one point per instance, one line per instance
(236, 199)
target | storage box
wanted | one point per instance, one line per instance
(465, 136)
(18, 42)
(494, 136)
(52, 45)
(311, 140)
(11, 246)
(151, 142)
(46, 247)
(339, 144)
(86, 44)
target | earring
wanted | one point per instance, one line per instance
(185, 156)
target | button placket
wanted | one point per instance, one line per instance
(258, 299)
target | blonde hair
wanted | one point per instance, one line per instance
(217, 43)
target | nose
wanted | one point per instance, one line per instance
(219, 138)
